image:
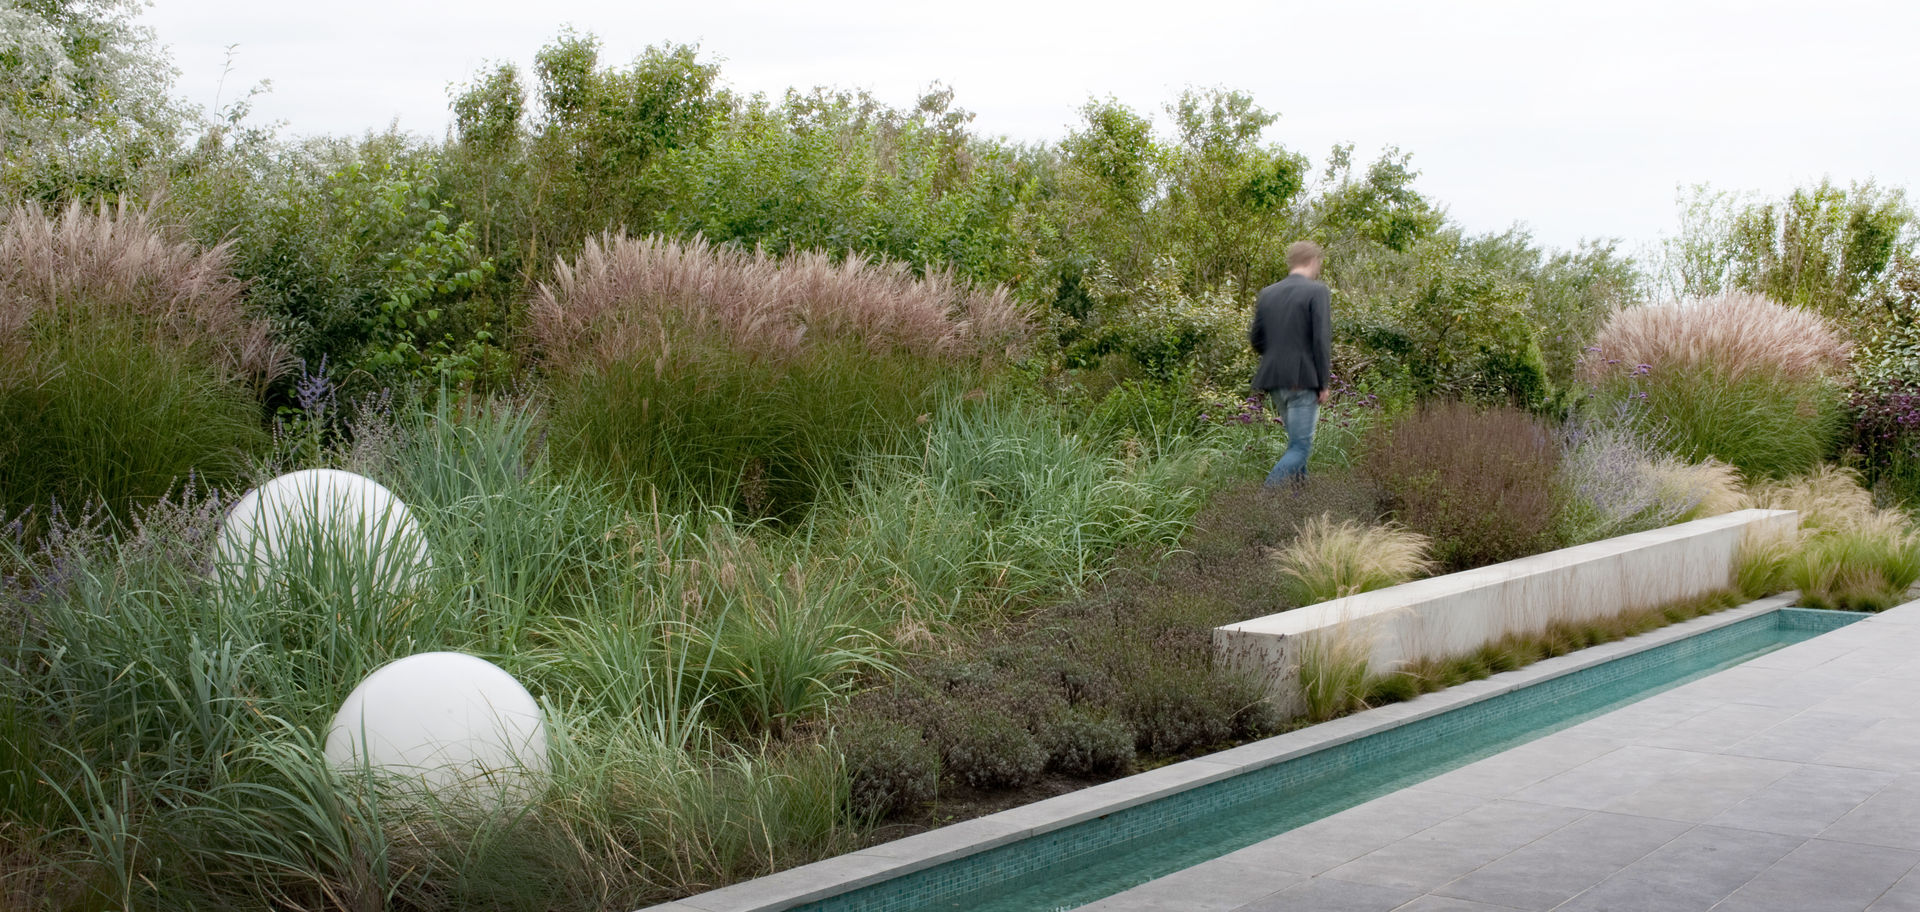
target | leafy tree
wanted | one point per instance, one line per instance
(1822, 247)
(1229, 197)
(84, 93)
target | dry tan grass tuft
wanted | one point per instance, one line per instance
(1828, 498)
(1737, 333)
(1713, 487)
(625, 296)
(91, 268)
(1333, 559)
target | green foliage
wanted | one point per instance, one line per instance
(1230, 199)
(1766, 424)
(1865, 568)
(1466, 333)
(1003, 504)
(1823, 247)
(84, 105)
(983, 747)
(892, 768)
(352, 249)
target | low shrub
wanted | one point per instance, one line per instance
(1082, 743)
(1885, 412)
(985, 747)
(127, 361)
(891, 766)
(1331, 559)
(1178, 707)
(1479, 484)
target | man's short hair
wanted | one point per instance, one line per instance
(1300, 253)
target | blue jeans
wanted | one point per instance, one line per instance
(1300, 410)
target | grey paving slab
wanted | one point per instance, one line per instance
(1431, 903)
(1505, 773)
(1323, 894)
(1804, 737)
(1891, 817)
(1789, 783)
(1563, 864)
(1704, 789)
(1903, 897)
(1891, 744)
(1610, 778)
(1454, 848)
(1343, 837)
(1822, 876)
(1805, 801)
(1693, 872)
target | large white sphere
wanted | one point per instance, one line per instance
(446, 719)
(316, 508)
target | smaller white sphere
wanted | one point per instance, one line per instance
(265, 531)
(446, 719)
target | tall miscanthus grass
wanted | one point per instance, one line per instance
(1735, 333)
(1736, 377)
(748, 381)
(162, 739)
(127, 360)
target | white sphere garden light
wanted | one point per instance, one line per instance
(311, 514)
(447, 720)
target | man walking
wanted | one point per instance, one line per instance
(1293, 332)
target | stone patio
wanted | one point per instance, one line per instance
(1789, 783)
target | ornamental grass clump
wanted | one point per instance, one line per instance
(743, 380)
(1847, 553)
(1865, 567)
(1480, 484)
(1736, 377)
(1332, 559)
(127, 360)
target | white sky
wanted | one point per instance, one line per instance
(1576, 120)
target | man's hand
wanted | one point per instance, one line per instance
(1323, 396)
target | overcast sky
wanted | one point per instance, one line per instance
(1576, 120)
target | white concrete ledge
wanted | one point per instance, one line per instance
(1460, 612)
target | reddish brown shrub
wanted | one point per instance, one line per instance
(1480, 484)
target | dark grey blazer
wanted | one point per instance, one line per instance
(1293, 332)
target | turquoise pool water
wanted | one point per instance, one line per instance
(1100, 857)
